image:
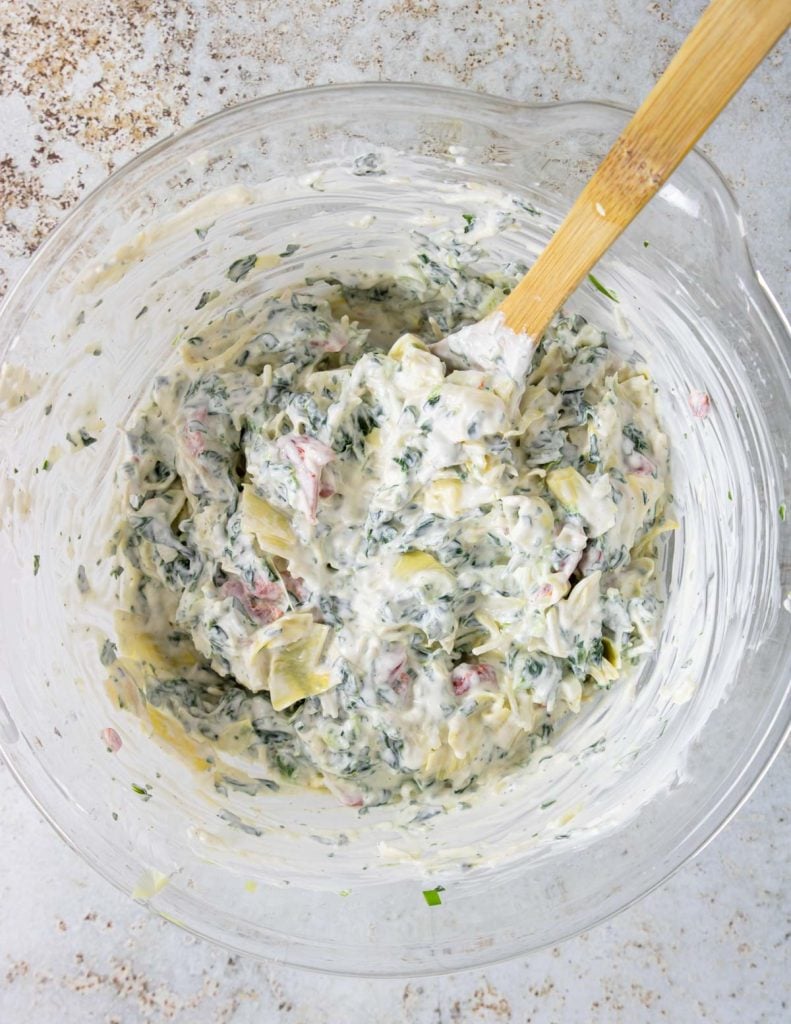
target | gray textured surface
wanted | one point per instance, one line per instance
(83, 86)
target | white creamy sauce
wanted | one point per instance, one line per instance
(371, 544)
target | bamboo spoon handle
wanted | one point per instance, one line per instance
(727, 44)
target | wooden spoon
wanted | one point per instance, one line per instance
(727, 44)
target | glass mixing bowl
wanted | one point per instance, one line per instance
(638, 782)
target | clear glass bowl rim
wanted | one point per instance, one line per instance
(22, 295)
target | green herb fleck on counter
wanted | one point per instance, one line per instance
(782, 512)
(36, 564)
(432, 896)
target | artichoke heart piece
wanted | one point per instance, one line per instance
(414, 563)
(442, 763)
(286, 630)
(611, 653)
(138, 644)
(193, 749)
(405, 345)
(603, 674)
(451, 497)
(295, 670)
(289, 629)
(270, 527)
(648, 540)
(492, 716)
(419, 370)
(593, 501)
(443, 497)
(469, 412)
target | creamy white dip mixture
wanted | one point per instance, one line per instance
(368, 553)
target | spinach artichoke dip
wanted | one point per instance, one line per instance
(366, 552)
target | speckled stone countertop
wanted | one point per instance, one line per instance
(85, 85)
